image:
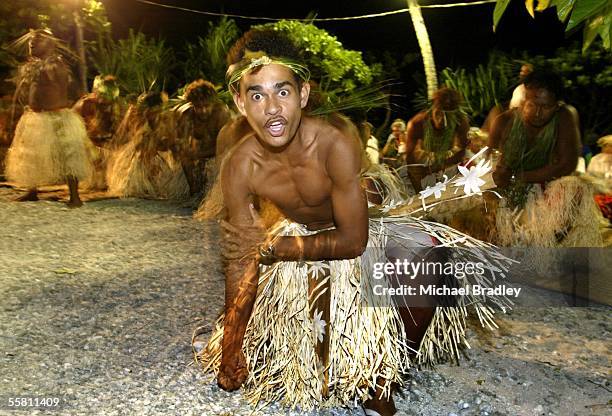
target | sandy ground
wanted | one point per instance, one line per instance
(98, 304)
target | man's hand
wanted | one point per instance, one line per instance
(502, 176)
(232, 373)
(243, 242)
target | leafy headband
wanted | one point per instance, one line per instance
(252, 60)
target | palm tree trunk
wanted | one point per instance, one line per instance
(425, 45)
(78, 24)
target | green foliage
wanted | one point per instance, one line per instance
(139, 63)
(19, 16)
(595, 15)
(482, 89)
(587, 76)
(206, 58)
(500, 8)
(335, 68)
(94, 18)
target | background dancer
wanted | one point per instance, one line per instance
(50, 144)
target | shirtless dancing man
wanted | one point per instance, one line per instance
(51, 144)
(308, 167)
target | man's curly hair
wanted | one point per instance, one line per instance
(547, 79)
(272, 42)
(447, 99)
(200, 91)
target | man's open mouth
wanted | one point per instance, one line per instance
(276, 127)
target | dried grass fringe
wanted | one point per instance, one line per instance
(48, 147)
(131, 174)
(566, 209)
(367, 343)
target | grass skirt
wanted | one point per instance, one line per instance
(564, 215)
(365, 343)
(131, 174)
(48, 147)
(97, 180)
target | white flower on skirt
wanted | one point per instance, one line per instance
(392, 205)
(317, 267)
(435, 190)
(319, 325)
(470, 180)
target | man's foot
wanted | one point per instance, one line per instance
(73, 187)
(74, 203)
(31, 195)
(232, 375)
(379, 407)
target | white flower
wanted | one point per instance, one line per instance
(319, 325)
(391, 205)
(316, 267)
(435, 190)
(471, 181)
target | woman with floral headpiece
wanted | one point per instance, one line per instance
(50, 144)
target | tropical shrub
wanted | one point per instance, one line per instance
(206, 57)
(483, 88)
(331, 65)
(139, 63)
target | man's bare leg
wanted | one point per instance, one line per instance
(416, 321)
(382, 406)
(73, 186)
(30, 195)
(240, 296)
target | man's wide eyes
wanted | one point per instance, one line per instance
(258, 96)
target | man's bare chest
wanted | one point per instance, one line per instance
(300, 186)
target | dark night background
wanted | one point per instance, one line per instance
(459, 35)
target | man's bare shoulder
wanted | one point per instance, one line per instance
(328, 132)
(337, 145)
(504, 118)
(568, 112)
(418, 118)
(237, 165)
(416, 123)
(230, 134)
(235, 126)
(244, 149)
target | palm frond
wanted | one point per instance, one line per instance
(139, 63)
(361, 99)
